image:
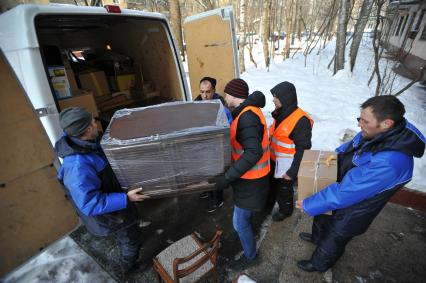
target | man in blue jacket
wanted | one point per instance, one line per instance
(371, 168)
(89, 181)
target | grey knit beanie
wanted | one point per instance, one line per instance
(75, 120)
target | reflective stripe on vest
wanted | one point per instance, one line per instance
(262, 167)
(281, 144)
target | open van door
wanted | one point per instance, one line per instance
(33, 209)
(211, 48)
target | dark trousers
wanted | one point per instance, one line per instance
(283, 193)
(331, 233)
(330, 245)
(130, 241)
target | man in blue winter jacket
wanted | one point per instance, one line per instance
(371, 168)
(89, 181)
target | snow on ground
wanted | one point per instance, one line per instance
(63, 261)
(332, 101)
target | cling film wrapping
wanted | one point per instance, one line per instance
(168, 149)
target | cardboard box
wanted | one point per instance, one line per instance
(125, 82)
(151, 94)
(147, 87)
(81, 98)
(95, 81)
(60, 82)
(168, 148)
(314, 172)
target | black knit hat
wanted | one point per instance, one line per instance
(209, 79)
(237, 88)
(75, 120)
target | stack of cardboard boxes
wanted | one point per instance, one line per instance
(99, 93)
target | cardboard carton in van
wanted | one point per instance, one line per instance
(33, 210)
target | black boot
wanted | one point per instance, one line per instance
(280, 216)
(306, 237)
(285, 201)
(306, 265)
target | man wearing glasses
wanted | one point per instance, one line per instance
(371, 168)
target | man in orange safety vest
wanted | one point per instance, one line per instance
(290, 135)
(249, 172)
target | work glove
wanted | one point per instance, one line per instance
(220, 181)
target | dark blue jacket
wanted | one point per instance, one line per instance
(378, 165)
(92, 186)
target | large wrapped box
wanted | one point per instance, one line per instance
(318, 169)
(168, 148)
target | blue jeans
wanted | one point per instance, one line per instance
(242, 224)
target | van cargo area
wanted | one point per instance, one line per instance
(105, 63)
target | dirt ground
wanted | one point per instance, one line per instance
(391, 251)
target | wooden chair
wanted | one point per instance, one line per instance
(188, 260)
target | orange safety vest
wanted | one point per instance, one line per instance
(281, 144)
(262, 167)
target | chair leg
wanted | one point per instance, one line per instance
(160, 280)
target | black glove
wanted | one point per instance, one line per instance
(220, 182)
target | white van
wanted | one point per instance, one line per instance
(104, 59)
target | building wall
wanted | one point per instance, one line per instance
(403, 31)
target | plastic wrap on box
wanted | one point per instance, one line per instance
(168, 148)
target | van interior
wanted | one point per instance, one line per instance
(108, 62)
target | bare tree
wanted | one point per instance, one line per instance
(376, 45)
(242, 27)
(95, 3)
(176, 21)
(339, 62)
(364, 14)
(253, 12)
(207, 4)
(293, 20)
(266, 30)
(419, 78)
(289, 26)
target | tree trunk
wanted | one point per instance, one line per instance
(359, 30)
(376, 43)
(266, 30)
(206, 4)
(176, 22)
(339, 62)
(289, 16)
(243, 28)
(293, 20)
(273, 19)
